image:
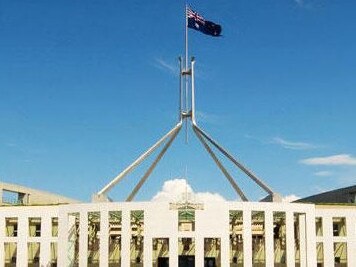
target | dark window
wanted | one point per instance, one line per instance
(163, 262)
(38, 230)
(335, 229)
(15, 229)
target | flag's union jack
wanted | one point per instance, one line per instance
(195, 16)
(197, 22)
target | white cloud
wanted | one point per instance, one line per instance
(292, 145)
(323, 173)
(160, 63)
(207, 197)
(290, 198)
(172, 190)
(178, 189)
(342, 159)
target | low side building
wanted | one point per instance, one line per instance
(13, 194)
(342, 195)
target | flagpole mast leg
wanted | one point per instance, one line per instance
(151, 168)
(252, 176)
(134, 164)
(180, 89)
(193, 91)
(221, 167)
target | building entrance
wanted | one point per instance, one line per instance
(209, 262)
(163, 262)
(186, 261)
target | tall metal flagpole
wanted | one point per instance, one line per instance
(186, 112)
(186, 36)
(186, 69)
(180, 117)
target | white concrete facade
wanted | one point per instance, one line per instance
(328, 238)
(161, 221)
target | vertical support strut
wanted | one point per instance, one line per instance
(180, 90)
(193, 90)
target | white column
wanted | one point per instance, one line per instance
(2, 256)
(125, 239)
(303, 239)
(247, 238)
(46, 234)
(199, 250)
(173, 250)
(2, 235)
(290, 238)
(269, 243)
(329, 241)
(351, 240)
(22, 234)
(311, 238)
(83, 239)
(104, 238)
(225, 249)
(147, 250)
(63, 229)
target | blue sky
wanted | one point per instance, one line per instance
(86, 86)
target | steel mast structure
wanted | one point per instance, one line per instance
(186, 115)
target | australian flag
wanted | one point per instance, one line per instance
(197, 22)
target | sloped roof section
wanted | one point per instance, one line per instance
(13, 194)
(342, 195)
